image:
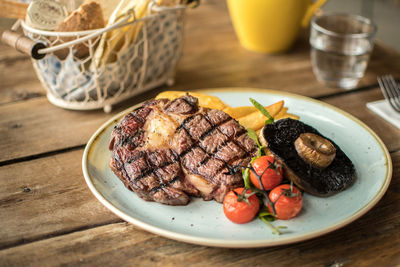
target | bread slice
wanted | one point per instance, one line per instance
(88, 16)
(108, 7)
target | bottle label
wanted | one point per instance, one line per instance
(45, 14)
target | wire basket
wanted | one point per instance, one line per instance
(75, 77)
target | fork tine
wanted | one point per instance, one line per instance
(389, 91)
(395, 91)
(383, 88)
(382, 85)
(395, 86)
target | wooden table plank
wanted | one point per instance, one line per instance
(46, 197)
(18, 81)
(34, 126)
(371, 240)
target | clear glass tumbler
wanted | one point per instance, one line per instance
(340, 48)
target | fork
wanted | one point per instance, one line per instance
(390, 90)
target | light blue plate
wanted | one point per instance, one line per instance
(204, 223)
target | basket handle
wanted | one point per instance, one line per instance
(23, 44)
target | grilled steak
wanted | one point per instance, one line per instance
(166, 151)
(280, 136)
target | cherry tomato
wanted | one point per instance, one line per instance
(270, 171)
(237, 209)
(288, 202)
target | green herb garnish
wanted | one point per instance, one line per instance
(252, 134)
(246, 178)
(267, 218)
(262, 110)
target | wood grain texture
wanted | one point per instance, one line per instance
(22, 125)
(372, 240)
(15, 69)
(45, 197)
(18, 80)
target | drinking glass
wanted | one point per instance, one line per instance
(341, 45)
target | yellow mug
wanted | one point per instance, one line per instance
(270, 26)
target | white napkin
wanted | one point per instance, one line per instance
(383, 109)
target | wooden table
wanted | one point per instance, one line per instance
(49, 216)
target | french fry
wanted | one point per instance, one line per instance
(281, 113)
(275, 108)
(248, 116)
(238, 112)
(256, 120)
(207, 101)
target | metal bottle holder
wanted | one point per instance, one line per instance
(82, 83)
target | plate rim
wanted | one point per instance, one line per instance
(240, 243)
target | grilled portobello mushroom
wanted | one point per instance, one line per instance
(313, 162)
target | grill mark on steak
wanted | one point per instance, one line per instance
(227, 165)
(208, 133)
(215, 127)
(155, 189)
(234, 168)
(207, 152)
(135, 158)
(230, 135)
(131, 122)
(184, 122)
(194, 107)
(152, 167)
(133, 140)
(182, 105)
(204, 161)
(203, 136)
(150, 171)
